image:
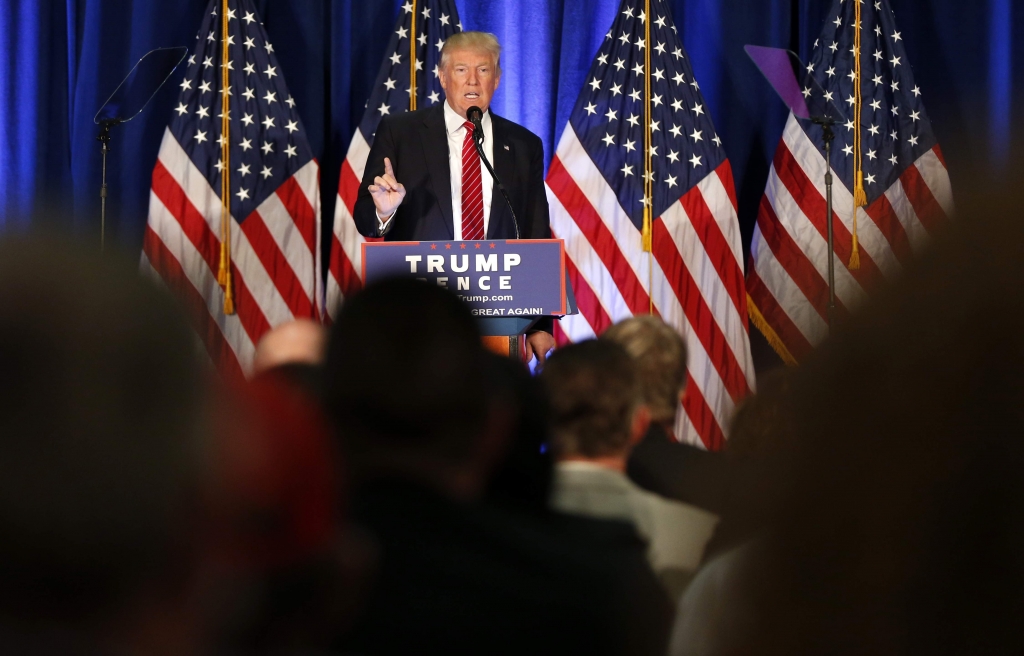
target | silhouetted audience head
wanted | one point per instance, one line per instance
(102, 443)
(297, 342)
(596, 400)
(903, 529)
(525, 475)
(406, 386)
(660, 356)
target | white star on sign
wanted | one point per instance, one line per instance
(654, 128)
(384, 109)
(396, 58)
(676, 132)
(698, 109)
(633, 120)
(444, 19)
(656, 99)
(243, 170)
(390, 84)
(660, 48)
(434, 97)
(896, 36)
(619, 64)
(895, 61)
(267, 148)
(291, 151)
(913, 141)
(877, 80)
(608, 140)
(638, 69)
(208, 62)
(426, 12)
(660, 22)
(292, 126)
(204, 87)
(871, 154)
(243, 194)
(407, 7)
(230, 65)
(591, 109)
(249, 43)
(807, 92)
(595, 84)
(916, 91)
(640, 43)
(219, 166)
(678, 78)
(271, 97)
(200, 136)
(268, 122)
(895, 85)
(915, 116)
(677, 105)
(439, 45)
(246, 144)
(203, 112)
(266, 172)
(249, 95)
(876, 105)
(635, 94)
(630, 146)
(624, 38)
(893, 160)
(878, 55)
(249, 18)
(673, 156)
(269, 48)
(658, 74)
(402, 33)
(181, 109)
(718, 142)
(828, 96)
(616, 89)
(849, 125)
(873, 130)
(848, 150)
(627, 170)
(611, 115)
(670, 181)
(695, 160)
(696, 135)
(290, 102)
(191, 60)
(870, 178)
(250, 68)
(270, 72)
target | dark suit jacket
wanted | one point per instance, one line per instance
(679, 471)
(417, 145)
(477, 579)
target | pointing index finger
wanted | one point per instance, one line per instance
(387, 167)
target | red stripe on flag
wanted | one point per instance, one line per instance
(717, 247)
(884, 216)
(348, 187)
(702, 418)
(601, 239)
(794, 261)
(700, 316)
(813, 205)
(206, 242)
(561, 339)
(928, 210)
(302, 213)
(938, 153)
(170, 270)
(277, 266)
(192, 222)
(795, 342)
(344, 273)
(724, 172)
(586, 300)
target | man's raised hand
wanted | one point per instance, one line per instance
(387, 192)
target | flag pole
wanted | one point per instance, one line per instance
(859, 196)
(647, 237)
(412, 60)
(224, 272)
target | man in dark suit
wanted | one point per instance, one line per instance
(424, 179)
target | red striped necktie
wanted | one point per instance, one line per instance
(472, 189)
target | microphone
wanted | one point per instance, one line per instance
(474, 114)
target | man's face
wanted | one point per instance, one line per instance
(469, 79)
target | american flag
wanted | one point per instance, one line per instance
(274, 193)
(905, 179)
(435, 21)
(596, 193)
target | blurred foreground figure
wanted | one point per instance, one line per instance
(102, 435)
(298, 342)
(659, 463)
(901, 531)
(598, 415)
(427, 423)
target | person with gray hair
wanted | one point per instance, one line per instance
(424, 179)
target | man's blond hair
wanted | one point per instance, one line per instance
(472, 41)
(660, 356)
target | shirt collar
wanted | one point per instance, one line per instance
(453, 122)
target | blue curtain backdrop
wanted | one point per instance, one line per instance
(59, 59)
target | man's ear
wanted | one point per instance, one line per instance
(641, 422)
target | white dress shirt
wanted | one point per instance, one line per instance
(454, 126)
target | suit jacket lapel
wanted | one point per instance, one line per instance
(500, 222)
(435, 154)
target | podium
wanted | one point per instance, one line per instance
(508, 284)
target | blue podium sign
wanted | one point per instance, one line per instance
(513, 278)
